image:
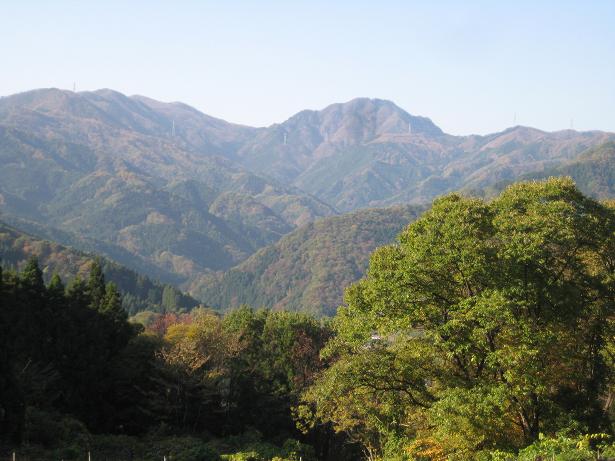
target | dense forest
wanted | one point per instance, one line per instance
(189, 386)
(139, 293)
(308, 269)
(485, 333)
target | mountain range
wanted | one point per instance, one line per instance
(199, 202)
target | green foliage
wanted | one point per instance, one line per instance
(139, 292)
(562, 447)
(96, 286)
(182, 449)
(53, 430)
(58, 352)
(485, 326)
(308, 269)
(279, 358)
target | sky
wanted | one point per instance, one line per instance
(470, 66)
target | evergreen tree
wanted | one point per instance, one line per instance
(169, 298)
(32, 277)
(11, 399)
(77, 293)
(111, 305)
(96, 286)
(56, 290)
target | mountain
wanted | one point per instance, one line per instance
(139, 292)
(153, 179)
(286, 150)
(309, 268)
(183, 197)
(370, 152)
(593, 171)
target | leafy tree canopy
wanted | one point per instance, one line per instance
(488, 324)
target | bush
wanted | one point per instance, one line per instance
(182, 449)
(53, 430)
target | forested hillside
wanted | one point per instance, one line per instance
(370, 152)
(593, 171)
(139, 293)
(77, 380)
(178, 195)
(308, 269)
(113, 169)
(484, 333)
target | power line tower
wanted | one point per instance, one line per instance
(173, 129)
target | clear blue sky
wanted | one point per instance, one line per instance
(470, 66)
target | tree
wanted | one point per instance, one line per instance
(111, 304)
(170, 298)
(193, 373)
(32, 276)
(278, 358)
(485, 326)
(96, 285)
(11, 398)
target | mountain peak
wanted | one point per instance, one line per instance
(359, 120)
(379, 117)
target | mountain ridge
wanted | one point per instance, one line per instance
(140, 293)
(182, 195)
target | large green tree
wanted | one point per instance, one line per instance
(486, 325)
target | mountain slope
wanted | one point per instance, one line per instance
(109, 167)
(178, 194)
(369, 152)
(287, 150)
(309, 268)
(593, 171)
(139, 292)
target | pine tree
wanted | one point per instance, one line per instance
(169, 298)
(32, 277)
(112, 304)
(96, 286)
(55, 289)
(77, 293)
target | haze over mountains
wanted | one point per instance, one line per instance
(177, 194)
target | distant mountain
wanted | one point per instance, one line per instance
(593, 171)
(309, 268)
(180, 196)
(287, 150)
(139, 292)
(154, 179)
(369, 152)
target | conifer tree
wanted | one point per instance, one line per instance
(96, 286)
(55, 289)
(112, 303)
(32, 276)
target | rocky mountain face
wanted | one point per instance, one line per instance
(183, 196)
